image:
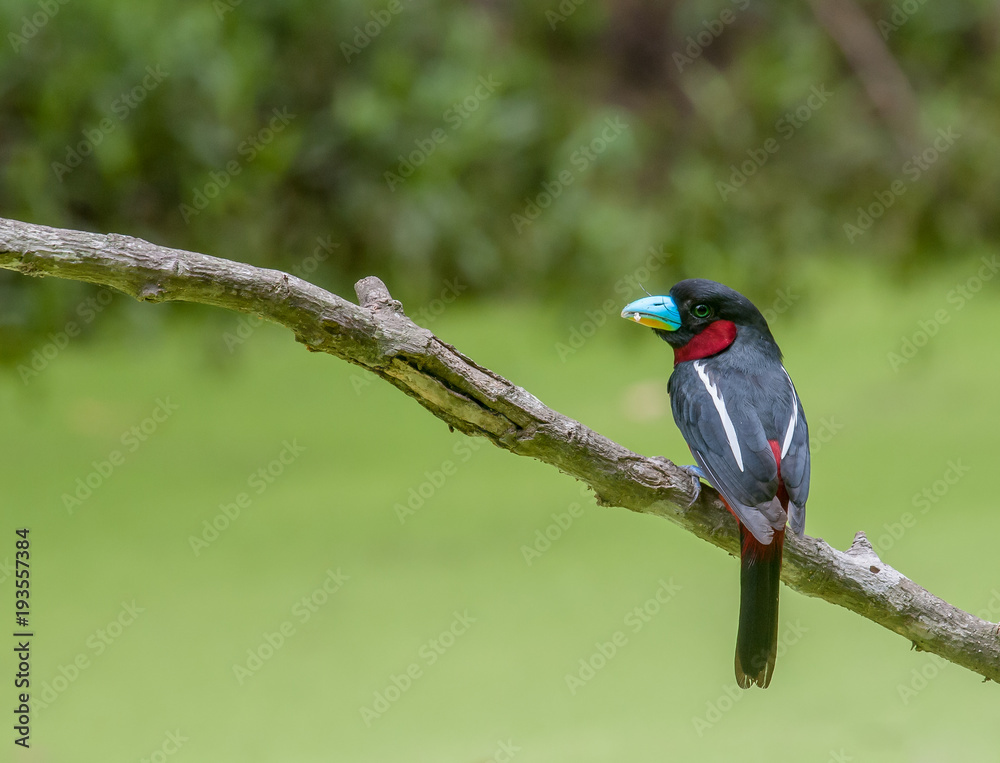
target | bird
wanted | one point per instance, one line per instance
(739, 413)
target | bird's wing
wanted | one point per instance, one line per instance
(795, 464)
(728, 439)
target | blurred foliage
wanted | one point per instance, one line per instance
(129, 118)
(264, 131)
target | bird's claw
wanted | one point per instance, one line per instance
(697, 475)
(694, 471)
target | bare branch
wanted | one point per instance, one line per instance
(378, 336)
(881, 76)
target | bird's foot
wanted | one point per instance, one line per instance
(697, 475)
(694, 471)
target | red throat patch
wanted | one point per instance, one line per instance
(713, 339)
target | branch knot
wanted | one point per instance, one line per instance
(374, 295)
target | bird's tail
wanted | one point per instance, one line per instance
(757, 641)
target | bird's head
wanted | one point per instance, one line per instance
(699, 318)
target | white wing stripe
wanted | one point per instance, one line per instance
(795, 417)
(720, 406)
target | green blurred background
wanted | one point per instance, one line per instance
(510, 170)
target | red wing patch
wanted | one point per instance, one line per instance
(782, 494)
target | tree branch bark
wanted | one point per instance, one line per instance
(377, 335)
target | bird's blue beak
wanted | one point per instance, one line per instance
(655, 312)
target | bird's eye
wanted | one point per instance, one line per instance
(701, 311)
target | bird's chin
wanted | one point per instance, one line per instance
(672, 337)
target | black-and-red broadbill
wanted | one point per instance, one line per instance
(740, 415)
